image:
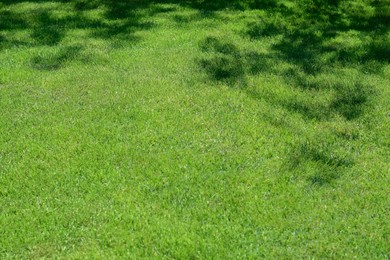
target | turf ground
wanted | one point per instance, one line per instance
(168, 129)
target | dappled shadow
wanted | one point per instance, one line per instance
(319, 33)
(324, 49)
(318, 40)
(49, 22)
(312, 39)
(11, 21)
(324, 156)
(120, 18)
(349, 102)
(45, 30)
(56, 60)
(324, 36)
(200, 15)
(224, 61)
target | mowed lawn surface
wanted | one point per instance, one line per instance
(136, 129)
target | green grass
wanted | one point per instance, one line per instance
(180, 130)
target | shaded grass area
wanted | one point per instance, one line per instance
(194, 129)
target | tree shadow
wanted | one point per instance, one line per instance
(46, 31)
(321, 39)
(326, 162)
(118, 22)
(121, 19)
(11, 21)
(48, 25)
(200, 15)
(224, 61)
(57, 60)
(315, 37)
(349, 102)
(324, 36)
(308, 30)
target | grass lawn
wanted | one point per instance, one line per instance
(190, 129)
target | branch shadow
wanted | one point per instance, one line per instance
(224, 61)
(46, 31)
(316, 37)
(322, 156)
(322, 38)
(48, 25)
(49, 62)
